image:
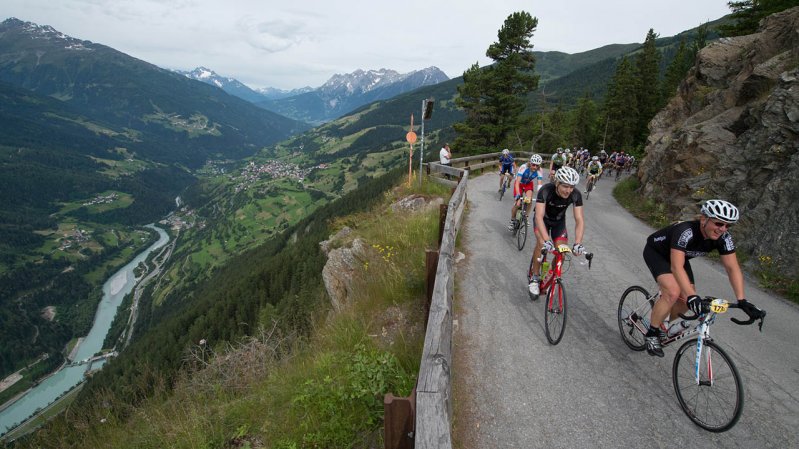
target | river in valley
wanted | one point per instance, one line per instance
(114, 290)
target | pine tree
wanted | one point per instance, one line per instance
(647, 65)
(494, 98)
(584, 123)
(621, 107)
(675, 72)
(747, 15)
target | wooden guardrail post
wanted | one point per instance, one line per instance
(431, 265)
(399, 421)
(442, 220)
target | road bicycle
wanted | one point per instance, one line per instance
(551, 282)
(520, 225)
(706, 381)
(618, 173)
(506, 184)
(591, 183)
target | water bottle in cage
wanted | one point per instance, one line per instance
(677, 328)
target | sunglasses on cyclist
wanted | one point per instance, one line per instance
(721, 224)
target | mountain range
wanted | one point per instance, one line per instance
(341, 94)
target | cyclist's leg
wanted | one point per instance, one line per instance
(681, 305)
(660, 268)
(539, 243)
(529, 194)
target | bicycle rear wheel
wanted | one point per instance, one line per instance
(555, 312)
(521, 235)
(716, 403)
(635, 308)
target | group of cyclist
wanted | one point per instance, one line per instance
(667, 251)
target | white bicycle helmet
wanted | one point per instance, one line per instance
(721, 210)
(595, 158)
(536, 159)
(506, 152)
(567, 175)
(560, 150)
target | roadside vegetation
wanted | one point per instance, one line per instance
(283, 386)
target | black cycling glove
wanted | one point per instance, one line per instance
(750, 309)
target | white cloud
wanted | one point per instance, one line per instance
(304, 42)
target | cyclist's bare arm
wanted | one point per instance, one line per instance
(540, 208)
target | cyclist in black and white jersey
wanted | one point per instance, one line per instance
(667, 254)
(550, 217)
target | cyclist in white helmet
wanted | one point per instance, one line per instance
(550, 217)
(558, 161)
(524, 183)
(667, 254)
(506, 165)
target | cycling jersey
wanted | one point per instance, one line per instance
(558, 161)
(594, 167)
(555, 205)
(687, 237)
(506, 164)
(526, 175)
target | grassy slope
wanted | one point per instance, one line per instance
(324, 391)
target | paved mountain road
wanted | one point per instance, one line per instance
(514, 390)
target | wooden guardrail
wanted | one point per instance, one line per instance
(433, 387)
(430, 404)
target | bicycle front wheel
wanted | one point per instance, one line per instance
(521, 236)
(716, 401)
(555, 313)
(633, 314)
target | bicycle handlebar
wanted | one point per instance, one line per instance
(761, 314)
(588, 256)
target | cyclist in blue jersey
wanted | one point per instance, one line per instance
(506, 165)
(524, 184)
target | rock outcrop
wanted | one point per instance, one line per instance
(338, 273)
(732, 132)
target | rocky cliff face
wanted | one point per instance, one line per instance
(732, 132)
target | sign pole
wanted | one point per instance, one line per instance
(411, 138)
(421, 150)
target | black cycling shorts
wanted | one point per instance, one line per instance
(556, 229)
(660, 265)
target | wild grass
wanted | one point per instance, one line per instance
(280, 390)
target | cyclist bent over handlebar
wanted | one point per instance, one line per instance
(524, 183)
(506, 165)
(667, 254)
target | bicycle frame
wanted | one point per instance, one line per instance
(555, 271)
(701, 329)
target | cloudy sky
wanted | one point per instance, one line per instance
(294, 43)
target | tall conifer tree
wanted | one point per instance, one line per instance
(621, 107)
(494, 97)
(647, 67)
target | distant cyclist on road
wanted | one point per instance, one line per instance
(667, 254)
(523, 185)
(550, 217)
(506, 165)
(594, 170)
(558, 161)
